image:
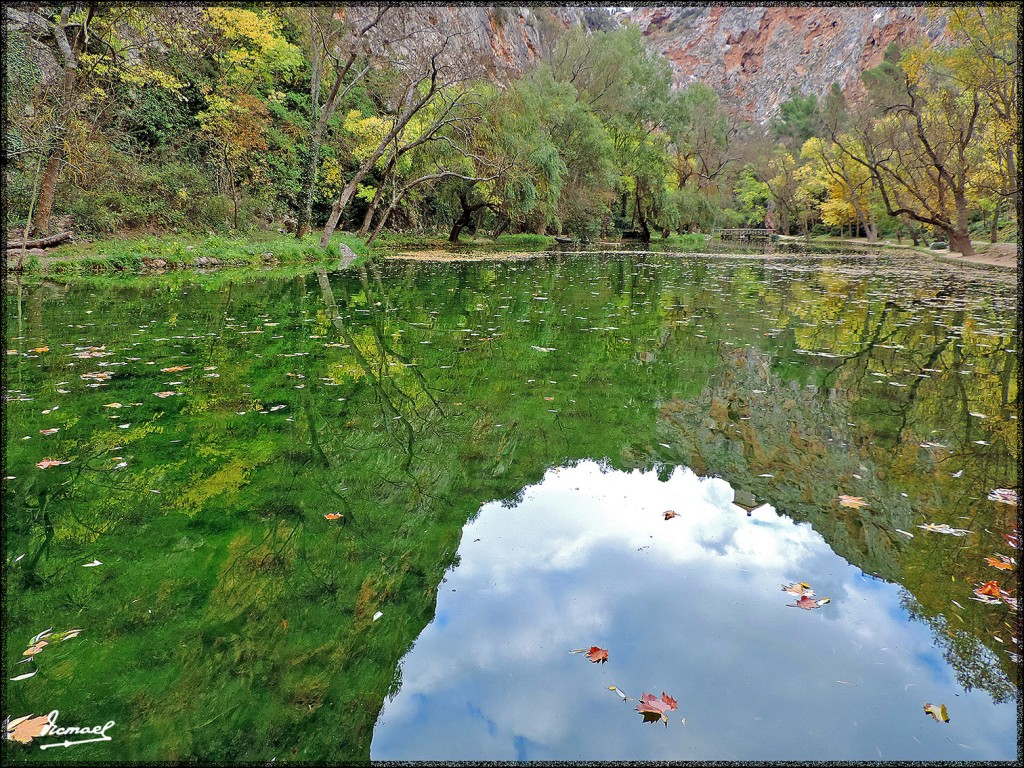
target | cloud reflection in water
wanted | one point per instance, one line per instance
(691, 606)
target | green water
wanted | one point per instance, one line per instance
(231, 620)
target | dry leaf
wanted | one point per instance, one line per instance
(332, 516)
(175, 368)
(1003, 496)
(669, 514)
(852, 501)
(990, 588)
(799, 589)
(36, 648)
(24, 729)
(1002, 562)
(596, 654)
(654, 709)
(937, 711)
(808, 603)
(944, 528)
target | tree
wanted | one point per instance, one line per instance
(983, 58)
(851, 196)
(252, 52)
(920, 144)
(799, 120)
(338, 41)
(428, 72)
(95, 44)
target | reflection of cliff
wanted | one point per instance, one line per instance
(749, 423)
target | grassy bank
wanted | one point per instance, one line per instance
(168, 253)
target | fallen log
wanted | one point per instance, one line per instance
(14, 254)
(42, 242)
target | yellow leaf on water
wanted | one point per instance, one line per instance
(937, 711)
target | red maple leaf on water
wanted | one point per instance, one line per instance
(654, 709)
(596, 654)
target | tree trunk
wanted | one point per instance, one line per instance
(645, 230)
(960, 241)
(460, 224)
(501, 228)
(47, 192)
(372, 209)
(308, 184)
(994, 234)
(42, 242)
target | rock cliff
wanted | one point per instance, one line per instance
(756, 56)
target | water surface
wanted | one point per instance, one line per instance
(276, 473)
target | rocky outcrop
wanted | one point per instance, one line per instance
(494, 41)
(755, 57)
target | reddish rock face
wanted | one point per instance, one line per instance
(755, 57)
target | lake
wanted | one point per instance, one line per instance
(386, 514)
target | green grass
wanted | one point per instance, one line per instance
(134, 255)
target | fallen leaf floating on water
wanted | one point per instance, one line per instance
(47, 463)
(1003, 496)
(164, 394)
(669, 514)
(93, 564)
(620, 694)
(25, 676)
(990, 588)
(856, 502)
(35, 648)
(175, 368)
(1002, 562)
(809, 604)
(26, 728)
(40, 349)
(1013, 538)
(943, 528)
(332, 516)
(937, 711)
(799, 589)
(654, 709)
(543, 349)
(593, 653)
(53, 431)
(113, 405)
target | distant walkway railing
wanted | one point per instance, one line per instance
(745, 235)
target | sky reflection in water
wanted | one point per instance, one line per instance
(691, 606)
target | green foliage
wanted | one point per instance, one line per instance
(799, 120)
